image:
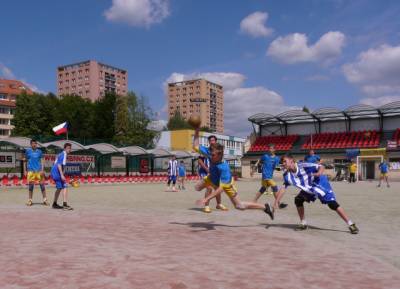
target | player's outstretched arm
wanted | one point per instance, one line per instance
(202, 164)
(320, 172)
(196, 139)
(278, 197)
(215, 193)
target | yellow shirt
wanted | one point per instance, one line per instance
(353, 168)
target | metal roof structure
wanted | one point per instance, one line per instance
(19, 142)
(60, 144)
(104, 148)
(134, 150)
(327, 114)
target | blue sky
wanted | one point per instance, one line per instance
(269, 55)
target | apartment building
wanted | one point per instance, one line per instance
(91, 79)
(201, 97)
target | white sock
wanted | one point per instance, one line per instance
(303, 222)
(350, 222)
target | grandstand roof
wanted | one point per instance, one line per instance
(326, 114)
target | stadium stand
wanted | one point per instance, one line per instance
(396, 136)
(281, 143)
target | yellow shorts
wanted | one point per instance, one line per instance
(209, 183)
(384, 175)
(34, 177)
(229, 189)
(268, 183)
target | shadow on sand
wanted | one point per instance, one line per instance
(207, 226)
(294, 227)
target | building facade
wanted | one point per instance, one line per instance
(91, 79)
(9, 89)
(182, 140)
(201, 97)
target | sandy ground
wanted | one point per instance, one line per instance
(139, 236)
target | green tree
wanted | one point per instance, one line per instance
(122, 121)
(104, 116)
(177, 122)
(306, 109)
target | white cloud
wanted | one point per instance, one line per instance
(139, 13)
(255, 25)
(294, 48)
(376, 71)
(6, 72)
(240, 102)
(378, 101)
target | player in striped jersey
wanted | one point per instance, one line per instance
(172, 173)
(313, 184)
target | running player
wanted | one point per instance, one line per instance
(35, 171)
(269, 162)
(204, 170)
(220, 178)
(313, 184)
(172, 173)
(384, 169)
(57, 174)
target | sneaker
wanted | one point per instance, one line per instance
(207, 209)
(221, 207)
(353, 229)
(268, 211)
(282, 205)
(378, 186)
(29, 203)
(56, 206)
(301, 227)
(183, 188)
(67, 208)
(388, 186)
(46, 203)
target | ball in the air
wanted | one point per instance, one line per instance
(194, 121)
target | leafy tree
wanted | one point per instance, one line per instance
(177, 122)
(104, 116)
(306, 109)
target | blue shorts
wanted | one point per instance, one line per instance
(181, 175)
(60, 184)
(203, 174)
(172, 178)
(322, 189)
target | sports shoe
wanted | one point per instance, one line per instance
(221, 207)
(45, 203)
(207, 209)
(56, 206)
(29, 203)
(282, 205)
(268, 211)
(353, 229)
(67, 208)
(301, 227)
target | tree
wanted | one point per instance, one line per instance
(177, 122)
(104, 116)
(306, 109)
(122, 121)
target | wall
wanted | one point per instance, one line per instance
(333, 126)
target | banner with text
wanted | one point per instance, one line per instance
(49, 159)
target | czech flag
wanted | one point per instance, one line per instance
(61, 128)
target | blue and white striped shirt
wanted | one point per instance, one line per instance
(173, 168)
(304, 178)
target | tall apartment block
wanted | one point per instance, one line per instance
(91, 79)
(198, 96)
(9, 89)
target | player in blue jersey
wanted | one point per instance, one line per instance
(269, 163)
(182, 175)
(204, 170)
(34, 168)
(313, 184)
(312, 158)
(384, 169)
(57, 174)
(220, 179)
